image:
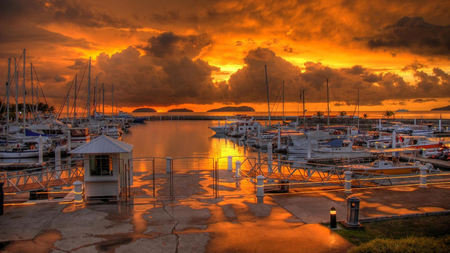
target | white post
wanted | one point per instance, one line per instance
(379, 124)
(78, 190)
(415, 122)
(279, 138)
(440, 125)
(423, 176)
(168, 164)
(394, 139)
(230, 163)
(308, 154)
(41, 150)
(269, 157)
(348, 182)
(260, 186)
(58, 158)
(238, 169)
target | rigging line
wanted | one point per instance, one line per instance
(39, 85)
(65, 100)
(77, 92)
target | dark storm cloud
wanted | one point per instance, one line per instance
(168, 44)
(28, 32)
(168, 74)
(415, 35)
(247, 84)
(51, 11)
(167, 79)
(422, 100)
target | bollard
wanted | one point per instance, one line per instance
(238, 169)
(77, 189)
(41, 150)
(269, 157)
(423, 177)
(348, 182)
(230, 163)
(260, 188)
(352, 212)
(2, 198)
(168, 164)
(333, 223)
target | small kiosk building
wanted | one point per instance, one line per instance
(108, 168)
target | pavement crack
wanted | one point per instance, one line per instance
(172, 230)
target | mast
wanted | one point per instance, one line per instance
(112, 100)
(88, 108)
(328, 105)
(283, 102)
(103, 99)
(68, 103)
(24, 91)
(32, 88)
(75, 98)
(304, 109)
(358, 110)
(268, 97)
(7, 92)
(95, 94)
(16, 76)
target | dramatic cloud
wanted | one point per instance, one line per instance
(168, 74)
(415, 35)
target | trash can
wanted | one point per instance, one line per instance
(353, 212)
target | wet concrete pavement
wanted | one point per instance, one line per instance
(195, 221)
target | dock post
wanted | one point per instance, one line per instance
(269, 157)
(230, 163)
(41, 150)
(308, 154)
(348, 182)
(423, 177)
(77, 189)
(238, 169)
(168, 165)
(260, 188)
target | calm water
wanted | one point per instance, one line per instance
(179, 139)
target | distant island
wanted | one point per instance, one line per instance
(402, 110)
(445, 108)
(180, 110)
(144, 110)
(233, 109)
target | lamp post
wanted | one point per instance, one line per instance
(333, 224)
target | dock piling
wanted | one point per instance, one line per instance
(348, 182)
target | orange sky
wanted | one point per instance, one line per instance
(205, 54)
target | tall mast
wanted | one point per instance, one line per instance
(358, 110)
(7, 91)
(103, 99)
(75, 98)
(32, 88)
(283, 102)
(68, 103)
(88, 108)
(328, 105)
(268, 94)
(304, 109)
(95, 94)
(112, 100)
(24, 91)
(16, 76)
